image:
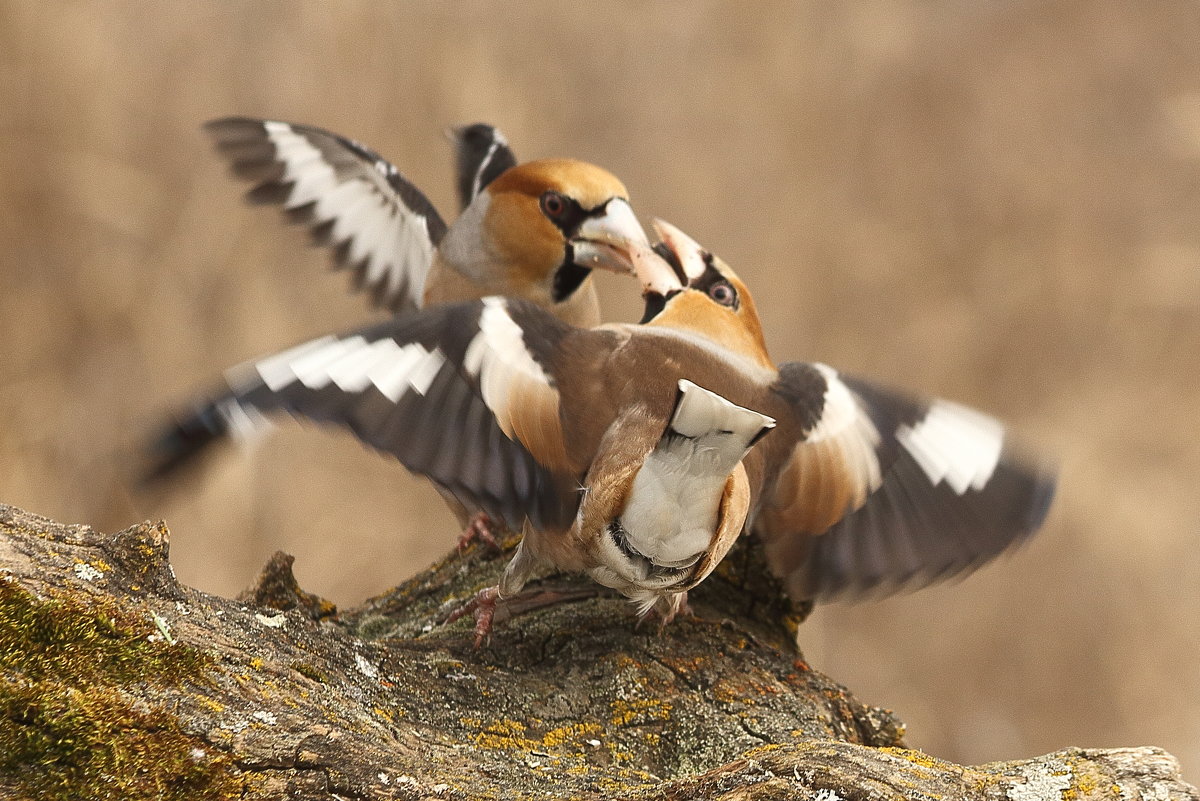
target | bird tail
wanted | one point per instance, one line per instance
(481, 154)
(719, 431)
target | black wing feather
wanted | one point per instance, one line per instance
(445, 432)
(911, 530)
(481, 155)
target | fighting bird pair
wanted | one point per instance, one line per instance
(637, 453)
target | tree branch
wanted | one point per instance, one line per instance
(117, 680)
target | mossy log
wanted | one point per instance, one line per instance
(118, 682)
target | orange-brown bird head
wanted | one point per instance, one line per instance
(541, 228)
(687, 287)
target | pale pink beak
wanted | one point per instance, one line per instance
(687, 250)
(605, 242)
(654, 272)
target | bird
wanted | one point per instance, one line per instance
(535, 230)
(638, 453)
(882, 491)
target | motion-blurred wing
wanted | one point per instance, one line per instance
(481, 154)
(887, 493)
(377, 224)
(452, 392)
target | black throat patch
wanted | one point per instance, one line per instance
(568, 277)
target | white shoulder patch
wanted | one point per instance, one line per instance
(953, 443)
(840, 412)
(500, 341)
(514, 386)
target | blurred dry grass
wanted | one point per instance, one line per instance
(992, 201)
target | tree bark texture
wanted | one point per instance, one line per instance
(118, 682)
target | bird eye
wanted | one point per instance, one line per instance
(723, 293)
(553, 204)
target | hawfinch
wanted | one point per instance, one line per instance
(534, 231)
(632, 452)
(864, 491)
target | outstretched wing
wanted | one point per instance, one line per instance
(377, 224)
(481, 154)
(453, 392)
(885, 492)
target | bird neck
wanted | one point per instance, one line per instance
(568, 279)
(726, 334)
(581, 307)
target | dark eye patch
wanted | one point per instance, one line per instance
(573, 216)
(711, 276)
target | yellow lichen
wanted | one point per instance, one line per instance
(573, 731)
(762, 749)
(638, 711)
(508, 735)
(212, 705)
(916, 758)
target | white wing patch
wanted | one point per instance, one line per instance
(955, 444)
(514, 385)
(244, 423)
(305, 166)
(313, 368)
(353, 364)
(387, 238)
(276, 371)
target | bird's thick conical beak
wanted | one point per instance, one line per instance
(657, 276)
(606, 242)
(687, 250)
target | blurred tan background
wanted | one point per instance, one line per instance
(998, 202)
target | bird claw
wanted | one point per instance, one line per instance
(483, 606)
(480, 528)
(486, 604)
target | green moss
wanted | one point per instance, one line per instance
(69, 641)
(62, 742)
(69, 731)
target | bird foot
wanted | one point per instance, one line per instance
(487, 609)
(480, 528)
(483, 607)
